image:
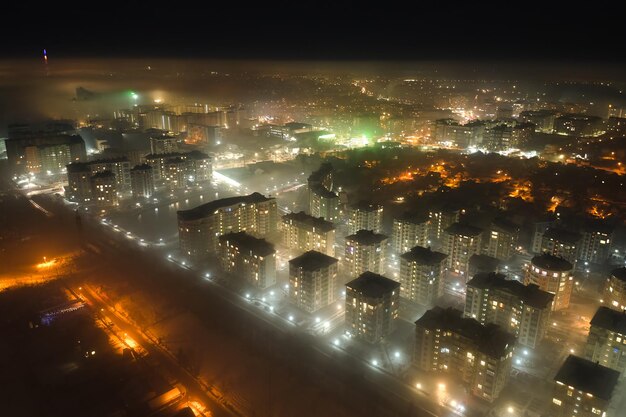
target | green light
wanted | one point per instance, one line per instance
(134, 95)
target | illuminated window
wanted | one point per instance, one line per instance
(556, 401)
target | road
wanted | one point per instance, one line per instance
(195, 389)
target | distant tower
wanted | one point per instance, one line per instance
(45, 61)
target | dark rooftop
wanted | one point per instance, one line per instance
(316, 222)
(142, 167)
(423, 256)
(562, 235)
(505, 224)
(463, 229)
(619, 273)
(610, 319)
(242, 240)
(209, 208)
(484, 263)
(373, 285)
(489, 339)
(529, 294)
(312, 261)
(366, 206)
(367, 237)
(318, 175)
(108, 160)
(589, 377)
(413, 217)
(186, 155)
(551, 262)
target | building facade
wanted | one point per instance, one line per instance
(615, 289)
(523, 310)
(461, 242)
(365, 251)
(553, 275)
(421, 275)
(480, 355)
(302, 232)
(365, 216)
(199, 228)
(248, 257)
(142, 181)
(104, 189)
(606, 342)
(313, 281)
(582, 388)
(372, 303)
(408, 231)
(561, 243)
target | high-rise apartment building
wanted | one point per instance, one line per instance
(365, 215)
(313, 280)
(142, 181)
(553, 275)
(248, 257)
(500, 239)
(365, 251)
(582, 389)
(606, 343)
(523, 310)
(615, 289)
(481, 356)
(562, 243)
(421, 275)
(199, 228)
(372, 303)
(409, 230)
(302, 232)
(462, 241)
(104, 189)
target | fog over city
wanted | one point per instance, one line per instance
(351, 216)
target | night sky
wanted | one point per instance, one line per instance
(387, 31)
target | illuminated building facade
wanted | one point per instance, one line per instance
(542, 119)
(421, 275)
(561, 243)
(553, 275)
(248, 257)
(313, 280)
(120, 167)
(523, 310)
(372, 303)
(582, 389)
(595, 244)
(500, 239)
(165, 143)
(302, 232)
(180, 169)
(365, 216)
(104, 189)
(365, 251)
(606, 343)
(615, 289)
(199, 228)
(440, 220)
(581, 125)
(324, 203)
(78, 182)
(462, 241)
(480, 355)
(142, 181)
(45, 154)
(408, 231)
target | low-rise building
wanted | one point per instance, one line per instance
(582, 388)
(372, 303)
(523, 310)
(313, 280)
(365, 251)
(606, 343)
(553, 275)
(250, 258)
(481, 356)
(421, 275)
